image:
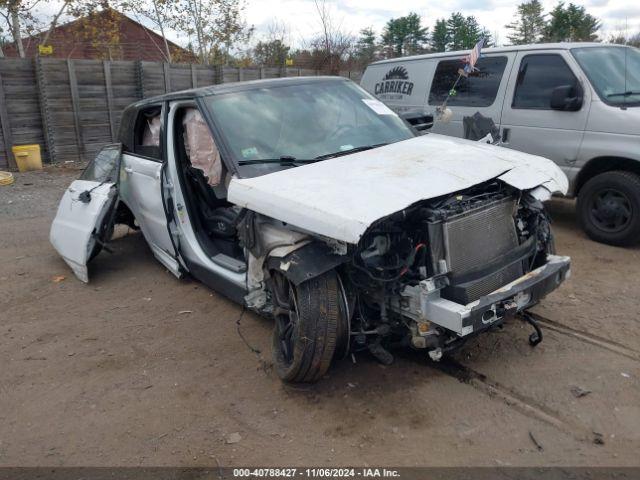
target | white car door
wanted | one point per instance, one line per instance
(141, 188)
(86, 212)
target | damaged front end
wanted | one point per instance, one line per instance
(441, 270)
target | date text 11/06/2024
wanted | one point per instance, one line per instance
(315, 473)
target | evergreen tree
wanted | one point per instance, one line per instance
(571, 24)
(465, 32)
(271, 52)
(440, 37)
(529, 26)
(405, 36)
(365, 51)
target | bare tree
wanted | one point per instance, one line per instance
(332, 44)
(160, 14)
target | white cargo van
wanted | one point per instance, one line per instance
(575, 103)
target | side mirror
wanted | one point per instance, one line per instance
(567, 98)
(418, 119)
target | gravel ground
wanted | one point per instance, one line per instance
(116, 373)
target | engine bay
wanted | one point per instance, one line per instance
(455, 249)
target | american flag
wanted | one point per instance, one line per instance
(473, 57)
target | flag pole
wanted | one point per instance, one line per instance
(446, 99)
(461, 73)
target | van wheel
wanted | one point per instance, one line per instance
(609, 208)
(307, 317)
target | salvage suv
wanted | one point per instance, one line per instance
(308, 200)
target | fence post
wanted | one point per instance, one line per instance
(43, 100)
(261, 72)
(218, 74)
(240, 74)
(167, 77)
(194, 76)
(75, 104)
(6, 128)
(106, 66)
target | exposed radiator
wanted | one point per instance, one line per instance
(471, 240)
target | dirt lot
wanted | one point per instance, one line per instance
(112, 373)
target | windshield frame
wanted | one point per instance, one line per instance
(602, 97)
(255, 170)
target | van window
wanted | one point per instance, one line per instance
(479, 89)
(147, 133)
(538, 76)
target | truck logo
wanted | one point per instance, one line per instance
(395, 81)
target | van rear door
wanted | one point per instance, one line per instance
(482, 91)
(529, 123)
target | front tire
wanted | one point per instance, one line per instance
(307, 319)
(609, 208)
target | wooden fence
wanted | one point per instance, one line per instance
(72, 108)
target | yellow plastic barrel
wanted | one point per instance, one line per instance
(27, 157)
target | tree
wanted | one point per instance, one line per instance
(20, 21)
(405, 35)
(466, 32)
(230, 26)
(273, 49)
(366, 48)
(159, 13)
(329, 48)
(98, 24)
(440, 37)
(273, 52)
(571, 24)
(214, 27)
(529, 25)
(623, 39)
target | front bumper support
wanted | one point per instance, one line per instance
(424, 304)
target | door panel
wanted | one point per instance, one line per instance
(84, 221)
(141, 189)
(79, 222)
(528, 123)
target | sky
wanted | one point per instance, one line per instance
(301, 19)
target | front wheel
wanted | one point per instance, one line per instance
(609, 208)
(308, 318)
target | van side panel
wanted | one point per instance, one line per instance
(493, 111)
(553, 134)
(378, 79)
(401, 85)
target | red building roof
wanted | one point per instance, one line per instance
(104, 35)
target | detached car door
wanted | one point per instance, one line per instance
(84, 221)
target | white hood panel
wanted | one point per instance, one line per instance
(341, 197)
